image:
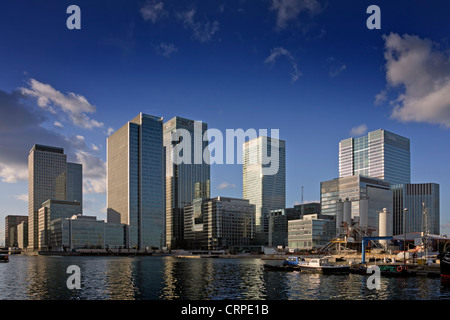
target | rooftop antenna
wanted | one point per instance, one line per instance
(302, 195)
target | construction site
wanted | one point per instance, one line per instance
(356, 241)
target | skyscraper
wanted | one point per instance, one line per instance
(264, 180)
(187, 173)
(50, 176)
(379, 154)
(74, 182)
(135, 181)
(422, 202)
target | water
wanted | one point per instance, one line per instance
(169, 278)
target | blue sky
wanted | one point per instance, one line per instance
(310, 68)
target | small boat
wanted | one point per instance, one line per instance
(290, 264)
(4, 258)
(385, 270)
(395, 271)
(445, 265)
(322, 265)
(293, 261)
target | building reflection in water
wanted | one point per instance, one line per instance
(101, 278)
(169, 278)
(111, 278)
(204, 279)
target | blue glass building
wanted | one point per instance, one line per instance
(379, 154)
(135, 182)
(187, 173)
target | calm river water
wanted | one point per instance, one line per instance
(169, 278)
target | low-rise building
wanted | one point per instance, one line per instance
(11, 235)
(219, 223)
(85, 232)
(310, 232)
(52, 210)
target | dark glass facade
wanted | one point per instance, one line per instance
(135, 194)
(422, 202)
(187, 173)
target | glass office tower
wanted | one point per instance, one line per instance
(187, 173)
(135, 181)
(379, 154)
(422, 202)
(50, 176)
(266, 191)
(74, 182)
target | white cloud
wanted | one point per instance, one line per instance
(166, 49)
(336, 67)
(13, 172)
(226, 185)
(153, 11)
(421, 71)
(94, 172)
(110, 131)
(203, 30)
(287, 10)
(381, 97)
(94, 147)
(58, 124)
(358, 130)
(22, 197)
(280, 51)
(74, 106)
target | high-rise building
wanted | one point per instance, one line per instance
(11, 235)
(74, 182)
(422, 202)
(219, 223)
(135, 181)
(187, 173)
(264, 180)
(50, 176)
(379, 154)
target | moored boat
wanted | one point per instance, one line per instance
(290, 264)
(445, 266)
(293, 261)
(4, 258)
(323, 266)
(395, 271)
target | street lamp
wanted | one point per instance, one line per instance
(405, 211)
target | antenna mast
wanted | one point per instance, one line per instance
(302, 195)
